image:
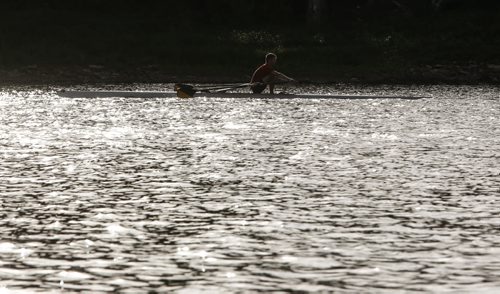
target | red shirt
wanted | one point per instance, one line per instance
(261, 72)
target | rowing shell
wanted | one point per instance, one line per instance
(139, 94)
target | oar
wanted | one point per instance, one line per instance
(188, 91)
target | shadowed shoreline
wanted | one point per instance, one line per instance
(56, 43)
(96, 74)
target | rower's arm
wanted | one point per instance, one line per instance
(283, 76)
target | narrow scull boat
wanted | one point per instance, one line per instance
(148, 94)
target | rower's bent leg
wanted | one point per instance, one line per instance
(258, 88)
(271, 81)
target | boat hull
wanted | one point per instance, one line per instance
(146, 94)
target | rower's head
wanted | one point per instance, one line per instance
(271, 59)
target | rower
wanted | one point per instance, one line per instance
(267, 75)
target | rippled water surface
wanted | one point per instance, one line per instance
(236, 195)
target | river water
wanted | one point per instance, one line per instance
(246, 195)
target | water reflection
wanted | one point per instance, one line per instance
(236, 195)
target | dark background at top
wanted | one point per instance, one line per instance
(240, 12)
(363, 38)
